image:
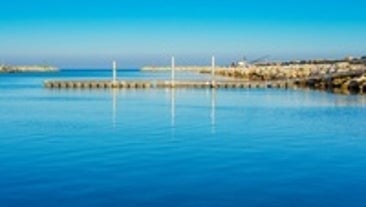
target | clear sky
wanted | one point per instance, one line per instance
(74, 33)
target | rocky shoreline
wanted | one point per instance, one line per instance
(346, 76)
(340, 76)
(29, 68)
(352, 82)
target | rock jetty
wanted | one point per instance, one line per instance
(345, 76)
(30, 68)
(340, 76)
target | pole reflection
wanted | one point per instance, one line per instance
(114, 107)
(172, 107)
(213, 104)
(213, 110)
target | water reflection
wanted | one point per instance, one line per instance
(114, 107)
(172, 107)
(277, 99)
(213, 110)
(307, 98)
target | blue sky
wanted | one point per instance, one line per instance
(92, 33)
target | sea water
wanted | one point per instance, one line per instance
(183, 147)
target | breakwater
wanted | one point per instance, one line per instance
(280, 71)
(145, 84)
(27, 68)
(342, 76)
(352, 82)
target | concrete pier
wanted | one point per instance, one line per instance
(145, 84)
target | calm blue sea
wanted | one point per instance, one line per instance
(226, 147)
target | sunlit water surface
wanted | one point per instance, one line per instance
(199, 147)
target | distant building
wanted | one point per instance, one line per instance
(349, 58)
(243, 64)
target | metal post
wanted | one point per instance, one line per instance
(173, 72)
(114, 71)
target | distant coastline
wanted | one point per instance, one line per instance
(192, 68)
(27, 68)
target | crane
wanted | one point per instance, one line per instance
(245, 63)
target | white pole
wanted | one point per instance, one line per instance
(173, 71)
(114, 71)
(213, 69)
